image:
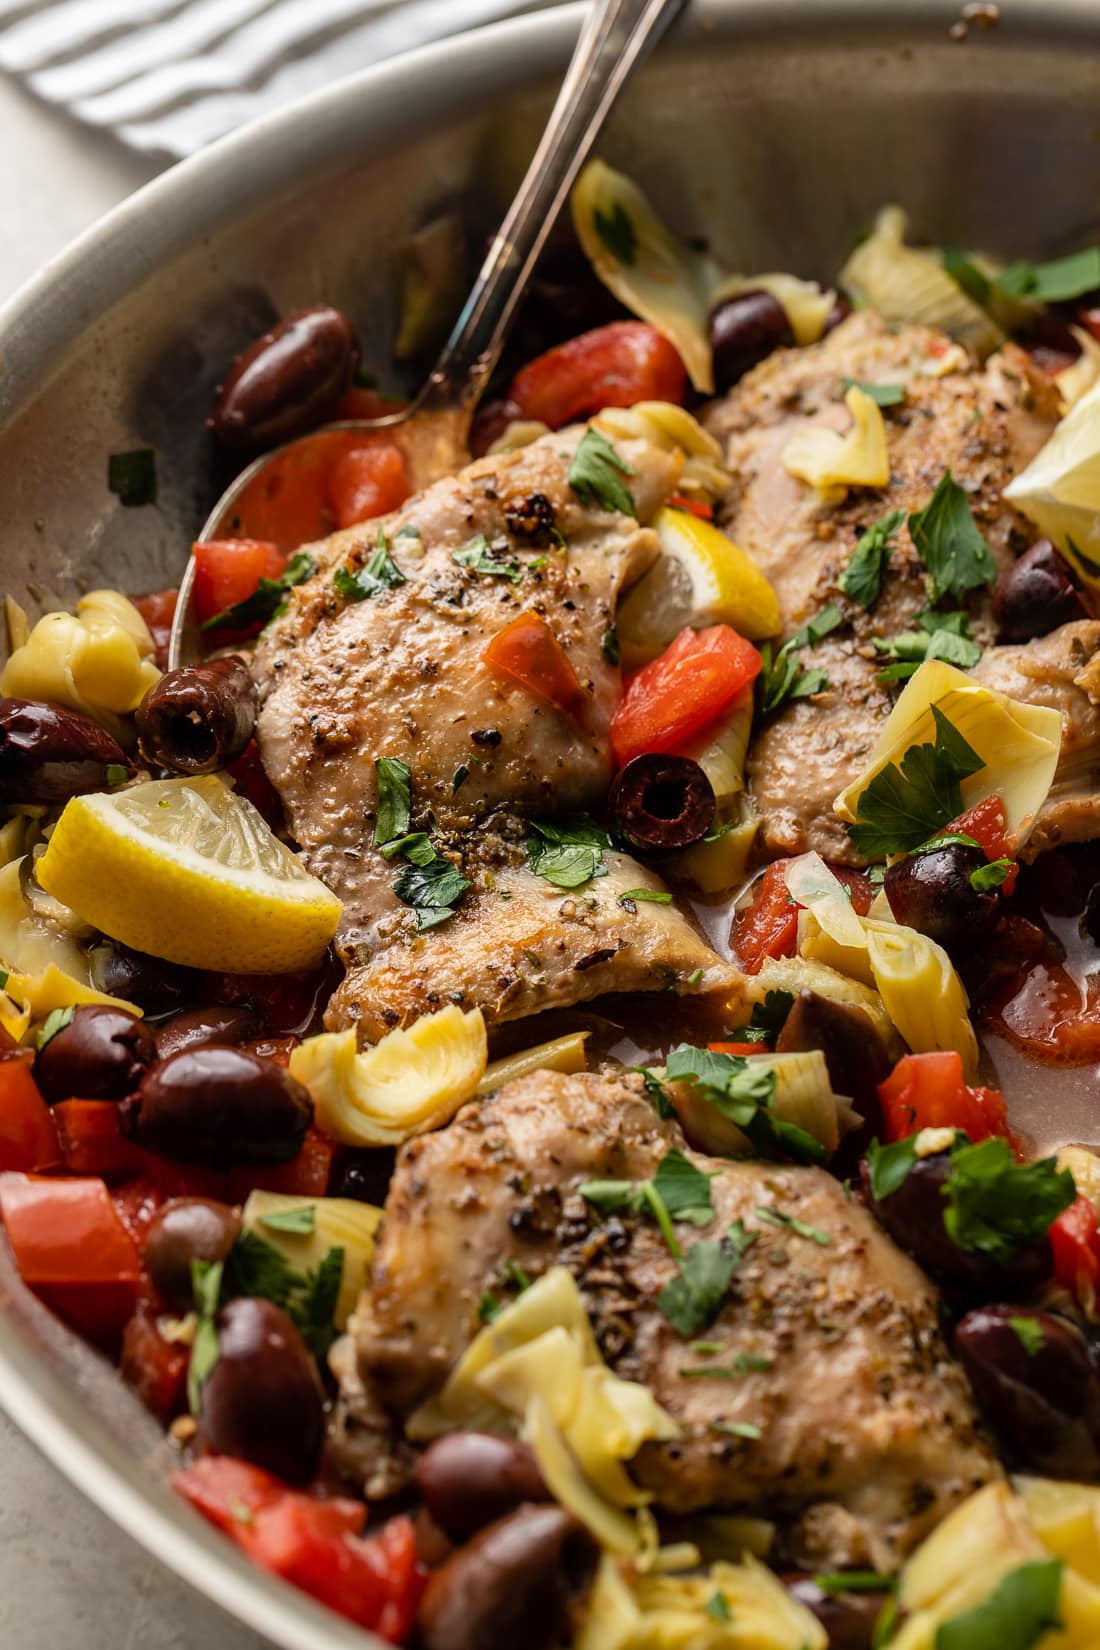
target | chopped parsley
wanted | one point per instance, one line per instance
(267, 601)
(568, 851)
(300, 1220)
(974, 282)
(1030, 1334)
(738, 1429)
(903, 806)
(394, 784)
(206, 1287)
(379, 572)
(596, 473)
(617, 232)
(854, 1581)
(862, 577)
(256, 1267)
(883, 395)
(116, 773)
(693, 1298)
(459, 777)
(782, 678)
(1017, 1615)
(132, 477)
(985, 878)
(56, 1020)
(767, 1019)
(1053, 282)
(743, 1094)
(949, 543)
(408, 532)
(429, 882)
(633, 897)
(677, 1191)
(489, 1308)
(609, 645)
(996, 1206)
(889, 1167)
(491, 559)
(655, 1091)
(940, 636)
(717, 1607)
(745, 1363)
(780, 1217)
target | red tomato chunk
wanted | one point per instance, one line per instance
(927, 1091)
(693, 683)
(613, 366)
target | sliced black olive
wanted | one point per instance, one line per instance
(199, 717)
(48, 754)
(286, 383)
(101, 1054)
(262, 1401)
(933, 892)
(744, 330)
(186, 1229)
(660, 803)
(219, 1106)
(1035, 595)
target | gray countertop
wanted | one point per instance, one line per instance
(68, 1579)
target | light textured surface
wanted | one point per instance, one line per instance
(69, 1580)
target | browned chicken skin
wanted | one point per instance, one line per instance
(868, 1435)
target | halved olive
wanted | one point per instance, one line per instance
(660, 803)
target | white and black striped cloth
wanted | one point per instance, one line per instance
(168, 76)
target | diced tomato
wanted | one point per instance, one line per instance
(695, 680)
(158, 609)
(927, 1091)
(769, 928)
(154, 1367)
(987, 823)
(136, 1202)
(314, 1544)
(91, 1141)
(228, 571)
(369, 481)
(737, 1048)
(28, 1138)
(694, 506)
(613, 366)
(71, 1247)
(251, 782)
(528, 652)
(1075, 1240)
(306, 1175)
(289, 502)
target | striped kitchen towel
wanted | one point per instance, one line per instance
(168, 76)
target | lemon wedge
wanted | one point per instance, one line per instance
(186, 870)
(1060, 489)
(701, 577)
(409, 1082)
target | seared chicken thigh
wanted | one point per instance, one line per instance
(401, 674)
(829, 1345)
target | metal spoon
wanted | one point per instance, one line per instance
(614, 38)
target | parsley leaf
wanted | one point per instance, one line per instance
(394, 784)
(631, 898)
(677, 1191)
(883, 395)
(379, 572)
(903, 807)
(1053, 282)
(617, 232)
(984, 878)
(717, 1607)
(863, 575)
(313, 1310)
(767, 1019)
(56, 1020)
(482, 557)
(854, 1581)
(693, 1298)
(744, 1095)
(941, 636)
(206, 1287)
(655, 1092)
(1029, 1332)
(949, 543)
(596, 473)
(116, 773)
(302, 1219)
(459, 777)
(1020, 1610)
(782, 677)
(780, 1217)
(974, 282)
(996, 1206)
(268, 599)
(609, 645)
(889, 1167)
(255, 1267)
(429, 882)
(684, 1189)
(568, 851)
(132, 477)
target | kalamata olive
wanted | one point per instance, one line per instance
(102, 1054)
(363, 1175)
(262, 1401)
(490, 422)
(913, 1216)
(744, 330)
(48, 754)
(286, 383)
(470, 1479)
(1038, 1387)
(155, 985)
(1035, 595)
(933, 893)
(222, 1025)
(854, 1052)
(848, 1618)
(199, 717)
(518, 1582)
(659, 803)
(219, 1106)
(840, 312)
(186, 1229)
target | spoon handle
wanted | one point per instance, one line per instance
(615, 36)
